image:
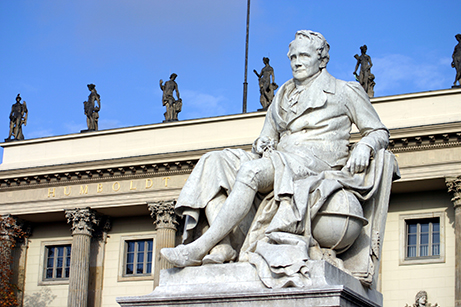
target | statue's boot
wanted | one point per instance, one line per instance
(180, 256)
(221, 253)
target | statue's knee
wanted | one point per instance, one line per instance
(248, 174)
(213, 155)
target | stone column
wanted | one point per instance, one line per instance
(454, 187)
(165, 220)
(82, 220)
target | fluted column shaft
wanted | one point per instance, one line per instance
(79, 270)
(165, 220)
(454, 187)
(82, 221)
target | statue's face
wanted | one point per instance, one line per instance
(304, 58)
(422, 300)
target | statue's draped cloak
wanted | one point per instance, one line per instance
(311, 128)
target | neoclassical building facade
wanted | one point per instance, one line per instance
(96, 208)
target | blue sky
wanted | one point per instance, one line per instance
(51, 49)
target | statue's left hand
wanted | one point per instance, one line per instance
(359, 159)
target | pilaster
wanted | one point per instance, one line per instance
(165, 220)
(97, 255)
(82, 221)
(454, 187)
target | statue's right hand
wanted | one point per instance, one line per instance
(161, 81)
(263, 144)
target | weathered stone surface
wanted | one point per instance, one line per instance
(266, 85)
(365, 77)
(456, 63)
(212, 285)
(91, 109)
(18, 118)
(173, 106)
(300, 161)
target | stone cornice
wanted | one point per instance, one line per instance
(140, 167)
(99, 175)
(425, 142)
(450, 91)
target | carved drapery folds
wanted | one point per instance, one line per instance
(454, 187)
(163, 214)
(82, 220)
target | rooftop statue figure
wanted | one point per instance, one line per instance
(299, 164)
(18, 117)
(173, 107)
(457, 61)
(266, 86)
(91, 109)
(365, 78)
(421, 300)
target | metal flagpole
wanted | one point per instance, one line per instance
(245, 83)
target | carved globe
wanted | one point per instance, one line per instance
(339, 222)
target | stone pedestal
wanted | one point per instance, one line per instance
(237, 284)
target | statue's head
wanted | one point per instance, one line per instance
(308, 54)
(458, 37)
(364, 49)
(265, 60)
(421, 298)
(18, 98)
(91, 86)
(173, 76)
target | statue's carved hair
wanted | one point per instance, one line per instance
(319, 42)
(419, 295)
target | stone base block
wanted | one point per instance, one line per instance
(237, 284)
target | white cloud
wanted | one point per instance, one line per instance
(72, 127)
(199, 105)
(37, 133)
(398, 73)
(108, 124)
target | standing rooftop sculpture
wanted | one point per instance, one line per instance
(91, 109)
(266, 85)
(457, 61)
(173, 107)
(18, 117)
(365, 78)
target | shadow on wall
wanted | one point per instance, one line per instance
(39, 299)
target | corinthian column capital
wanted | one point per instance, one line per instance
(163, 214)
(82, 220)
(454, 187)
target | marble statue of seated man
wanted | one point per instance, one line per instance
(302, 157)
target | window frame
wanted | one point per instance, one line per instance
(122, 276)
(45, 245)
(404, 221)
